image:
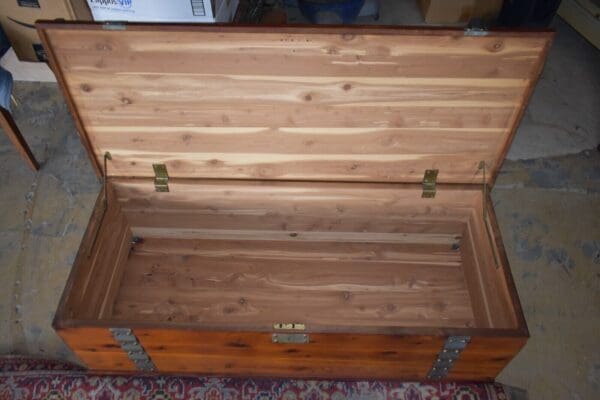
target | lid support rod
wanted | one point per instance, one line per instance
(107, 156)
(485, 215)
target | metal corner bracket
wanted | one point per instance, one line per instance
(135, 351)
(453, 346)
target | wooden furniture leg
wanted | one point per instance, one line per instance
(7, 123)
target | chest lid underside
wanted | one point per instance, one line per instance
(296, 103)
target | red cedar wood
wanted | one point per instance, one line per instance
(371, 173)
(229, 353)
(84, 249)
(512, 289)
(98, 264)
(64, 320)
(476, 349)
(83, 337)
(42, 26)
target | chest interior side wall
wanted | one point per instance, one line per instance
(250, 254)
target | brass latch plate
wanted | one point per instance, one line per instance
(429, 181)
(290, 338)
(161, 178)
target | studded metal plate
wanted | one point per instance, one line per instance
(135, 351)
(446, 358)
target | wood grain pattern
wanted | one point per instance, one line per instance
(495, 294)
(326, 356)
(218, 253)
(485, 357)
(286, 148)
(334, 104)
(351, 205)
(258, 292)
(95, 276)
(97, 349)
(422, 265)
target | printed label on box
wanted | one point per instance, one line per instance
(152, 11)
(29, 3)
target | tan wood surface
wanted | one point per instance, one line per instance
(334, 104)
(258, 292)
(250, 254)
(247, 254)
(485, 357)
(345, 255)
(97, 349)
(326, 356)
(274, 111)
(99, 263)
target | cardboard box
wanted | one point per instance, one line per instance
(459, 11)
(163, 11)
(18, 18)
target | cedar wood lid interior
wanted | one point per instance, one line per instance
(298, 103)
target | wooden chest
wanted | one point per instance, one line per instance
(294, 201)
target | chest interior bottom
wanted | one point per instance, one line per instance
(247, 255)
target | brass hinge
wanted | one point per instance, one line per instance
(161, 178)
(473, 31)
(429, 181)
(114, 26)
(289, 338)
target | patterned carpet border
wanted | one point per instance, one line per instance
(22, 379)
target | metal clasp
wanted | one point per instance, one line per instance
(290, 338)
(161, 178)
(429, 181)
(114, 26)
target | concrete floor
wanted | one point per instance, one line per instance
(547, 199)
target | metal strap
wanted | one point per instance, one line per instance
(446, 358)
(135, 351)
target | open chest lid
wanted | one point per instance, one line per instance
(368, 104)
